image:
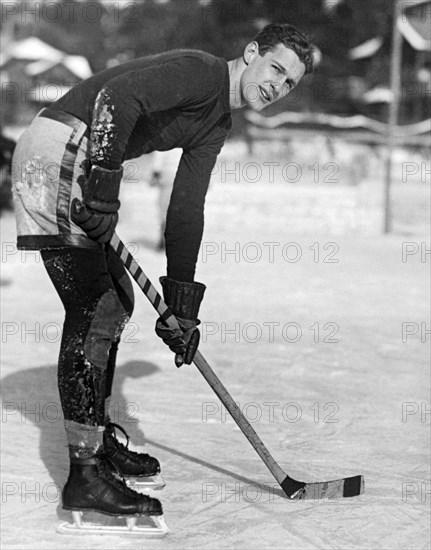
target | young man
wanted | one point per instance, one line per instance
(68, 169)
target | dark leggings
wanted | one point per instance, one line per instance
(97, 296)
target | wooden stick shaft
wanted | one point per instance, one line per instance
(238, 416)
(159, 305)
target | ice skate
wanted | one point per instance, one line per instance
(141, 471)
(94, 489)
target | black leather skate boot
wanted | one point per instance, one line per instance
(91, 485)
(129, 463)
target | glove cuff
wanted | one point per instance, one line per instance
(103, 185)
(183, 299)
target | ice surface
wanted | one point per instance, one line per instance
(325, 408)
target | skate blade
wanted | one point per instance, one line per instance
(143, 526)
(149, 483)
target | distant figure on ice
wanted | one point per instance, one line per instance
(66, 182)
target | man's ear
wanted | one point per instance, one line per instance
(250, 52)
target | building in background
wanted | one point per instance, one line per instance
(33, 74)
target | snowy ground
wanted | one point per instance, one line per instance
(319, 335)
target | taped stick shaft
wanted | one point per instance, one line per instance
(159, 305)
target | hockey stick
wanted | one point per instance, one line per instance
(346, 487)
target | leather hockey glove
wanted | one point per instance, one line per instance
(184, 300)
(97, 214)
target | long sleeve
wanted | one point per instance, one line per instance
(179, 83)
(185, 218)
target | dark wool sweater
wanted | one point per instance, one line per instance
(174, 99)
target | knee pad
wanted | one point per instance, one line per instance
(106, 327)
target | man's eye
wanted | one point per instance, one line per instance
(287, 87)
(277, 69)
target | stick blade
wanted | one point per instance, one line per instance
(337, 488)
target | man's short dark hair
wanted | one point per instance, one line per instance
(289, 36)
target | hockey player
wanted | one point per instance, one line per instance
(67, 174)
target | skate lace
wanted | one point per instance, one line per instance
(111, 428)
(109, 471)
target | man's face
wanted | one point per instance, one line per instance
(269, 77)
